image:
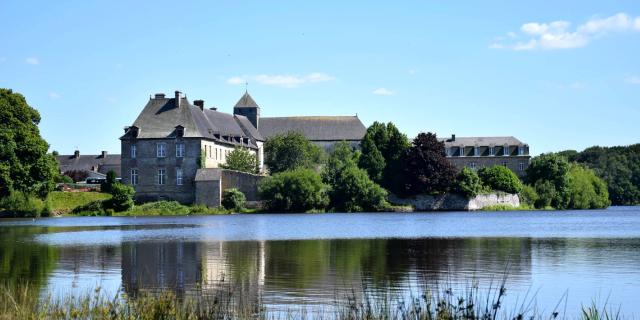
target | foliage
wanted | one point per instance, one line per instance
(64, 202)
(25, 165)
(77, 175)
(298, 190)
(20, 204)
(427, 169)
(233, 199)
(109, 182)
(383, 151)
(202, 159)
(241, 159)
(619, 167)
(122, 198)
(289, 151)
(500, 178)
(93, 208)
(159, 208)
(528, 195)
(586, 190)
(547, 194)
(548, 173)
(468, 183)
(350, 188)
(61, 178)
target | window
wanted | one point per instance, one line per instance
(161, 150)
(179, 176)
(179, 150)
(462, 151)
(162, 176)
(216, 153)
(492, 151)
(506, 150)
(134, 177)
(521, 166)
(521, 150)
(133, 151)
(476, 151)
(472, 165)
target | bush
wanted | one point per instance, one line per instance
(122, 199)
(298, 190)
(501, 179)
(108, 184)
(468, 183)
(94, 208)
(61, 178)
(233, 199)
(528, 196)
(160, 208)
(19, 204)
(547, 194)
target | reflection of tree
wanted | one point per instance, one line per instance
(23, 260)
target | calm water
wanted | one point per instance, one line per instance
(288, 261)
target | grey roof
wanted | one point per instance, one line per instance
(315, 128)
(160, 117)
(209, 174)
(248, 127)
(96, 163)
(246, 102)
(481, 141)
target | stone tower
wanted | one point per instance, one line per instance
(247, 107)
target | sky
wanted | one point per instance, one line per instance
(555, 74)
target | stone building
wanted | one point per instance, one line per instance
(174, 147)
(478, 152)
(95, 165)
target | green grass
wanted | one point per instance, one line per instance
(64, 202)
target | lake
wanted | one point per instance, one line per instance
(292, 261)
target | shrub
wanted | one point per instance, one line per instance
(500, 178)
(61, 178)
(528, 195)
(109, 182)
(233, 199)
(468, 183)
(19, 204)
(241, 159)
(547, 194)
(95, 208)
(122, 199)
(160, 208)
(298, 190)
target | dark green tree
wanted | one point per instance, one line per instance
(25, 165)
(427, 169)
(289, 151)
(233, 199)
(109, 182)
(383, 150)
(122, 198)
(500, 178)
(241, 159)
(298, 190)
(468, 183)
(372, 159)
(554, 169)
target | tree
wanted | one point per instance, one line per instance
(427, 168)
(25, 165)
(289, 151)
(500, 178)
(122, 198)
(109, 182)
(586, 190)
(548, 173)
(383, 149)
(241, 159)
(350, 188)
(233, 199)
(298, 190)
(468, 183)
(528, 195)
(372, 159)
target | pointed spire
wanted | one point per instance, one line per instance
(246, 101)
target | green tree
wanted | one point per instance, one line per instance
(372, 159)
(122, 198)
(427, 169)
(383, 149)
(233, 199)
(241, 159)
(500, 178)
(554, 169)
(350, 188)
(109, 182)
(468, 183)
(289, 151)
(298, 190)
(586, 190)
(528, 195)
(25, 165)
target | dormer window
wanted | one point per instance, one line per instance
(476, 151)
(179, 131)
(506, 150)
(462, 151)
(492, 151)
(448, 152)
(521, 150)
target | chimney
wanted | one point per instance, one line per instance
(213, 108)
(159, 95)
(199, 103)
(178, 96)
(104, 154)
(76, 154)
(453, 137)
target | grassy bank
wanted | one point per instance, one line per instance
(64, 202)
(23, 303)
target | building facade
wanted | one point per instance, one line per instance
(95, 166)
(479, 152)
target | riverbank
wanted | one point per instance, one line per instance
(23, 302)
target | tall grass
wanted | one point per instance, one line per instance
(22, 302)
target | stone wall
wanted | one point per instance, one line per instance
(245, 182)
(208, 191)
(455, 202)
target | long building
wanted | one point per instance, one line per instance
(479, 152)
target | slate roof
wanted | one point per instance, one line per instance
(481, 141)
(315, 128)
(96, 163)
(160, 117)
(246, 102)
(208, 174)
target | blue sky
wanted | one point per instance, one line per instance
(556, 75)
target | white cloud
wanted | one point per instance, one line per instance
(383, 92)
(32, 60)
(54, 96)
(559, 34)
(281, 80)
(633, 80)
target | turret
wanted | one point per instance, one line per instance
(247, 107)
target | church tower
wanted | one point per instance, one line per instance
(247, 107)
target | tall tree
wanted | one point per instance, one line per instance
(241, 159)
(289, 151)
(427, 168)
(25, 165)
(383, 148)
